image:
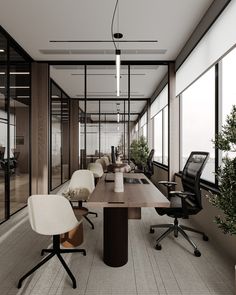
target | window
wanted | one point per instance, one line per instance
(165, 136)
(143, 125)
(228, 86)
(159, 117)
(198, 121)
(158, 137)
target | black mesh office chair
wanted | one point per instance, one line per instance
(149, 169)
(188, 201)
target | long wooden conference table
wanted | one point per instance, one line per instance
(138, 192)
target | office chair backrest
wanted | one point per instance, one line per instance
(96, 168)
(82, 179)
(149, 160)
(102, 162)
(51, 214)
(2, 152)
(106, 160)
(191, 175)
(113, 155)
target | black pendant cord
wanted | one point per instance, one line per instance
(112, 24)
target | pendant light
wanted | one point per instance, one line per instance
(117, 50)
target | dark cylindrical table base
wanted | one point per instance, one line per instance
(115, 236)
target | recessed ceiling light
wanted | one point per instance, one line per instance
(22, 96)
(15, 73)
(19, 73)
(19, 87)
(2, 50)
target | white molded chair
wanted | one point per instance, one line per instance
(52, 215)
(80, 187)
(106, 159)
(97, 169)
(103, 163)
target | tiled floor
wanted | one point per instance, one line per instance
(173, 270)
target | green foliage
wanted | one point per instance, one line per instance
(226, 175)
(226, 140)
(139, 151)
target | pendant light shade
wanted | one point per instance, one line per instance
(117, 72)
(118, 117)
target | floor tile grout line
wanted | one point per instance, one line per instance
(91, 265)
(167, 259)
(30, 264)
(146, 243)
(152, 250)
(196, 269)
(135, 280)
(217, 271)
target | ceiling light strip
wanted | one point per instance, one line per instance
(102, 41)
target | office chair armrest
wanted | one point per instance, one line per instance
(182, 193)
(168, 184)
(184, 196)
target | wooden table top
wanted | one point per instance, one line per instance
(134, 195)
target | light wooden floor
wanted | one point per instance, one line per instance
(174, 270)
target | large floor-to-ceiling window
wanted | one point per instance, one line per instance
(198, 121)
(228, 75)
(159, 121)
(15, 101)
(205, 105)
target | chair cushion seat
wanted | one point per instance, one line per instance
(177, 211)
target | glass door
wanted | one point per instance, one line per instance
(19, 135)
(15, 104)
(3, 127)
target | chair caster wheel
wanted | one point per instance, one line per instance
(197, 253)
(42, 253)
(152, 231)
(84, 253)
(205, 238)
(158, 247)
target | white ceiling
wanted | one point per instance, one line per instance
(34, 23)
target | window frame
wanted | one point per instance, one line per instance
(217, 102)
(161, 164)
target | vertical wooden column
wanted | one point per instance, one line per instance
(74, 136)
(173, 119)
(40, 128)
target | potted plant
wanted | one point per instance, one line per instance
(226, 175)
(139, 152)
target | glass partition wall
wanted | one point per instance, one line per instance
(104, 119)
(15, 101)
(3, 128)
(59, 136)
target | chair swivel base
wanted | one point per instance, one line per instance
(176, 228)
(84, 212)
(54, 251)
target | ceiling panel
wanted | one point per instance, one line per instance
(168, 24)
(101, 80)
